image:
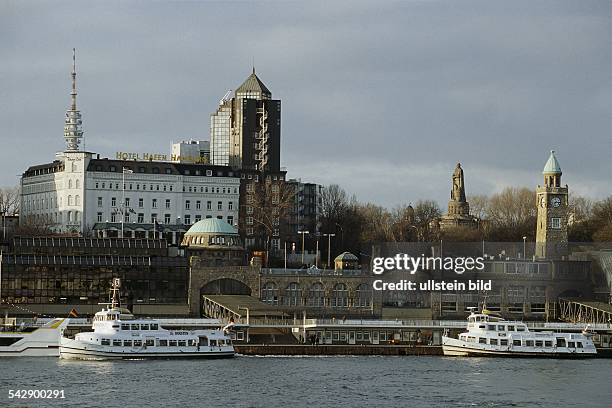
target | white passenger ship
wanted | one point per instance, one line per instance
(32, 341)
(491, 336)
(117, 334)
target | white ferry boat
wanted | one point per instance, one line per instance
(489, 336)
(32, 341)
(117, 334)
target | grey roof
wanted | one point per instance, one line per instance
(552, 165)
(346, 256)
(253, 84)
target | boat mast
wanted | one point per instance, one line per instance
(114, 290)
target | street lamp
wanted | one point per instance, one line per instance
(329, 236)
(341, 235)
(303, 235)
(524, 247)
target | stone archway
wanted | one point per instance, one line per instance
(225, 286)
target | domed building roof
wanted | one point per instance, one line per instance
(552, 165)
(212, 226)
(346, 256)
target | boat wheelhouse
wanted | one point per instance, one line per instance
(490, 335)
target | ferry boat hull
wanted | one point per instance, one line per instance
(42, 342)
(456, 348)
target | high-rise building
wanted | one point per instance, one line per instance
(552, 201)
(245, 129)
(191, 151)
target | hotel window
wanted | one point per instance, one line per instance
(250, 187)
(126, 217)
(249, 220)
(153, 218)
(209, 205)
(220, 205)
(140, 218)
(140, 202)
(113, 201)
(198, 217)
(230, 205)
(97, 185)
(275, 232)
(187, 219)
(166, 218)
(249, 209)
(555, 223)
(113, 217)
(167, 203)
(198, 205)
(99, 201)
(230, 220)
(154, 203)
(127, 201)
(99, 217)
(249, 231)
(187, 204)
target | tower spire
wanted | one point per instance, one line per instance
(73, 133)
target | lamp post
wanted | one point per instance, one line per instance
(303, 235)
(341, 235)
(329, 236)
(524, 247)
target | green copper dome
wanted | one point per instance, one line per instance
(212, 226)
(552, 165)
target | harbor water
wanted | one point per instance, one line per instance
(357, 381)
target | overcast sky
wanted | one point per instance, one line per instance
(381, 97)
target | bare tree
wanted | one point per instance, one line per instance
(425, 212)
(9, 200)
(271, 203)
(512, 214)
(478, 205)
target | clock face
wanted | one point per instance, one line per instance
(555, 201)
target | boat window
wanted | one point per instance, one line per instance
(144, 327)
(105, 342)
(134, 327)
(125, 327)
(520, 328)
(500, 328)
(482, 326)
(503, 342)
(571, 344)
(491, 327)
(213, 342)
(137, 343)
(493, 342)
(548, 343)
(117, 343)
(172, 343)
(127, 343)
(203, 341)
(471, 339)
(163, 343)
(516, 342)
(149, 342)
(510, 328)
(560, 342)
(482, 340)
(7, 341)
(538, 343)
(154, 326)
(579, 344)
(182, 343)
(529, 343)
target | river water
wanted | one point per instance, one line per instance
(312, 382)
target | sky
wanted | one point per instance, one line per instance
(380, 97)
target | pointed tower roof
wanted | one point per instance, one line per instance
(253, 84)
(552, 165)
(73, 131)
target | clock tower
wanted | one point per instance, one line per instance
(552, 203)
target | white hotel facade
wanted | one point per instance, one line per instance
(79, 192)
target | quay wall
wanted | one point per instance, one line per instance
(335, 350)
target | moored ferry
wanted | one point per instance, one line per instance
(489, 335)
(32, 341)
(117, 334)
